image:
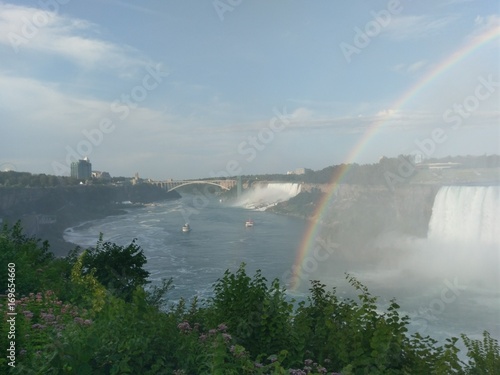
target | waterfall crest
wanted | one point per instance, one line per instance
(467, 214)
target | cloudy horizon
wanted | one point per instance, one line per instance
(193, 89)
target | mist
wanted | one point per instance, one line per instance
(263, 196)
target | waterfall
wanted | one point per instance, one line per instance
(261, 197)
(466, 214)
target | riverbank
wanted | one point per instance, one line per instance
(46, 213)
(54, 233)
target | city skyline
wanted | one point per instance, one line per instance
(206, 89)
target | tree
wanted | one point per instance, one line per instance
(118, 268)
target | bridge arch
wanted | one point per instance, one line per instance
(197, 183)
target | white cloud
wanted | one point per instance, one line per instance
(414, 27)
(455, 2)
(416, 66)
(48, 32)
(410, 68)
(133, 7)
(484, 24)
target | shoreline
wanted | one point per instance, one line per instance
(54, 234)
(46, 213)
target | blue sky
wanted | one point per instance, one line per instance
(186, 89)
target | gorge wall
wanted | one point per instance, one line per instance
(357, 214)
(46, 212)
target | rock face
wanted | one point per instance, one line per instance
(46, 212)
(357, 214)
(15, 201)
(375, 209)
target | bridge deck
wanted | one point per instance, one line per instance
(174, 184)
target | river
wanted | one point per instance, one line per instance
(440, 305)
(218, 240)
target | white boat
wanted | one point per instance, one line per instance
(186, 228)
(249, 223)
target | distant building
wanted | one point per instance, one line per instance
(299, 171)
(136, 180)
(82, 169)
(101, 175)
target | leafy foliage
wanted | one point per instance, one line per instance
(118, 268)
(107, 323)
(35, 265)
(484, 356)
(25, 179)
(260, 317)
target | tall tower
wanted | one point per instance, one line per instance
(82, 169)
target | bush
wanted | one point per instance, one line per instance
(259, 316)
(248, 327)
(118, 268)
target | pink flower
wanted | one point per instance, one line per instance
(184, 327)
(222, 327)
(48, 317)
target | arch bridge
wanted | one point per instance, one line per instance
(170, 185)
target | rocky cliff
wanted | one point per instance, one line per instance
(356, 215)
(46, 212)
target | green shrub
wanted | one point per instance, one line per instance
(484, 356)
(259, 316)
(118, 268)
(248, 326)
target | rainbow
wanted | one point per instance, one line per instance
(311, 232)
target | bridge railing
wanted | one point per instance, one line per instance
(171, 185)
